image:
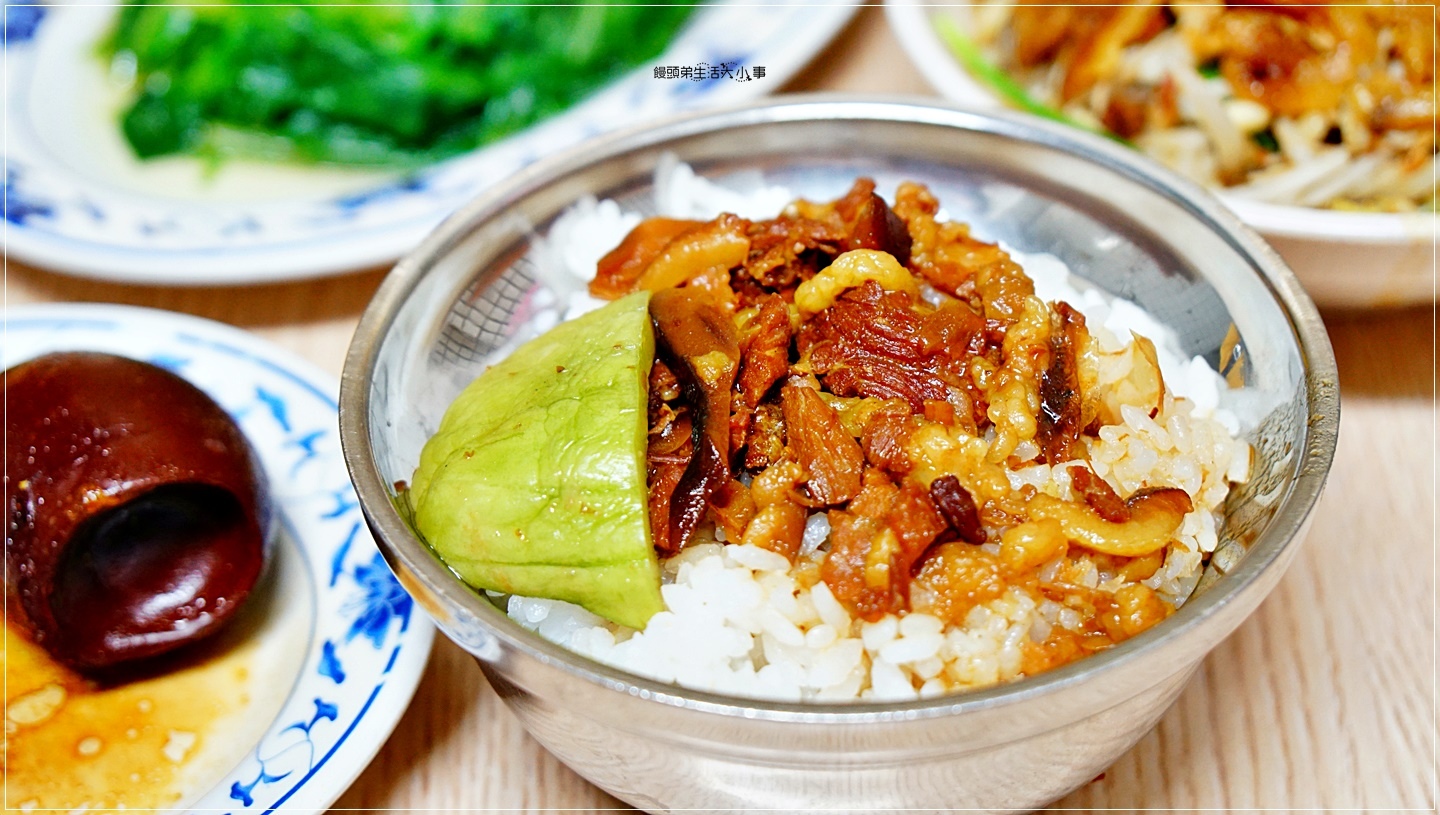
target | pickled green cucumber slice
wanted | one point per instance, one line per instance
(535, 482)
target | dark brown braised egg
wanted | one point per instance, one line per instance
(136, 514)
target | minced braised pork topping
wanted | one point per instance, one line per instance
(888, 370)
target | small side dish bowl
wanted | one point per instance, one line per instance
(1113, 217)
(1346, 260)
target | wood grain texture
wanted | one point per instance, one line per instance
(1325, 698)
(313, 318)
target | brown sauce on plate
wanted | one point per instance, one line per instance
(72, 741)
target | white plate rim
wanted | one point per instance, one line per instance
(357, 600)
(789, 48)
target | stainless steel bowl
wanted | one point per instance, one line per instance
(1115, 218)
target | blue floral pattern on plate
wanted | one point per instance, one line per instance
(21, 22)
(367, 646)
(74, 216)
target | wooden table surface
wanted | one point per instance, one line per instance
(1325, 698)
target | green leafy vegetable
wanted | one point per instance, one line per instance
(368, 84)
(974, 61)
(534, 483)
(1266, 139)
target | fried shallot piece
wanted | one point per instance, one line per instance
(669, 449)
(875, 543)
(1098, 493)
(1061, 419)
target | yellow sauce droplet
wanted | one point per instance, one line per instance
(36, 706)
(178, 744)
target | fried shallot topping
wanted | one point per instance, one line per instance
(1061, 414)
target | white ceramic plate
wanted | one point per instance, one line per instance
(77, 201)
(341, 646)
(1344, 259)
